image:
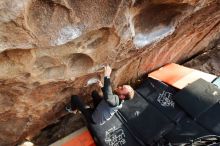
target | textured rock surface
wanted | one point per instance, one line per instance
(59, 129)
(208, 61)
(49, 49)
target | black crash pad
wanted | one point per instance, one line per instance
(197, 97)
(113, 132)
(185, 131)
(146, 121)
(211, 119)
(161, 96)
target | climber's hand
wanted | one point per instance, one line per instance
(108, 71)
(99, 83)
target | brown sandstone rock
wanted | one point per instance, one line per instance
(50, 49)
(208, 61)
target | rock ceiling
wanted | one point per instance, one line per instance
(49, 49)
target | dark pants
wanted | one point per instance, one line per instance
(76, 102)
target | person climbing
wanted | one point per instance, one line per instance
(104, 107)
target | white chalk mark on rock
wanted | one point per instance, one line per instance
(67, 34)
